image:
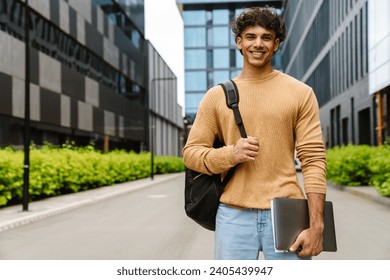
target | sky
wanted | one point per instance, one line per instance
(164, 29)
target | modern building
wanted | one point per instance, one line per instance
(379, 63)
(165, 117)
(90, 78)
(210, 50)
(330, 48)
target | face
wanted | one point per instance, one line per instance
(258, 46)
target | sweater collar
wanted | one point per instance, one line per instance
(267, 77)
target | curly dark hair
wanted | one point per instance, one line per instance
(265, 17)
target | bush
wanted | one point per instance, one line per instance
(348, 165)
(168, 164)
(68, 169)
(360, 165)
(380, 168)
(11, 175)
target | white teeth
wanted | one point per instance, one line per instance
(258, 54)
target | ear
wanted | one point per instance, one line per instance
(277, 43)
(239, 43)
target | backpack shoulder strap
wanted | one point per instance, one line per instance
(232, 99)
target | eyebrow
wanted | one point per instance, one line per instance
(268, 35)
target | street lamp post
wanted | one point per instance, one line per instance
(26, 169)
(152, 118)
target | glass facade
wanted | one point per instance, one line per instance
(332, 56)
(207, 53)
(129, 17)
(90, 75)
(211, 56)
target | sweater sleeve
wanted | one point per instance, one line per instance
(310, 147)
(199, 153)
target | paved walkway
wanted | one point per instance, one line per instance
(13, 216)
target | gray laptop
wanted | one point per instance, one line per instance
(290, 217)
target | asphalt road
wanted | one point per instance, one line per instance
(150, 224)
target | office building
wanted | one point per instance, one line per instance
(379, 63)
(210, 50)
(90, 76)
(330, 48)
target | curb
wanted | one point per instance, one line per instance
(97, 195)
(366, 192)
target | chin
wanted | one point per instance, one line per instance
(258, 64)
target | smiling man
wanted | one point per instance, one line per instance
(280, 114)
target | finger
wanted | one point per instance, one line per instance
(250, 155)
(254, 148)
(294, 247)
(297, 245)
(253, 140)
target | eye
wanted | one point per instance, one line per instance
(250, 36)
(267, 37)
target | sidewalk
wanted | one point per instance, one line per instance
(366, 192)
(13, 216)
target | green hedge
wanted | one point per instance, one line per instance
(56, 171)
(360, 165)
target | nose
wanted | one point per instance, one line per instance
(258, 42)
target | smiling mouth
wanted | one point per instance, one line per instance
(258, 53)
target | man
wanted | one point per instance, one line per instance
(280, 114)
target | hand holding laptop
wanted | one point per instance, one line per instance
(308, 243)
(290, 222)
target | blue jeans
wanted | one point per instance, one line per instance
(242, 234)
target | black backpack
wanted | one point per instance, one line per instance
(202, 191)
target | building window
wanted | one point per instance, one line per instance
(347, 56)
(232, 58)
(356, 50)
(51, 40)
(209, 58)
(221, 58)
(342, 62)
(239, 59)
(194, 17)
(361, 45)
(364, 127)
(234, 74)
(220, 76)
(195, 37)
(195, 59)
(192, 101)
(351, 46)
(221, 17)
(115, 12)
(195, 81)
(239, 11)
(345, 128)
(218, 36)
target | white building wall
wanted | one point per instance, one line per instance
(379, 44)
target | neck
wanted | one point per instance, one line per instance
(255, 72)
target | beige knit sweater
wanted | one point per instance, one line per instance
(282, 113)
